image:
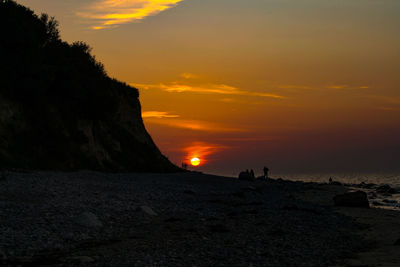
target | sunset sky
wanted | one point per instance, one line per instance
(297, 85)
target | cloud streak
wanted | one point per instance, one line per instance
(345, 86)
(193, 125)
(111, 13)
(389, 108)
(385, 99)
(222, 89)
(334, 87)
(188, 76)
(158, 114)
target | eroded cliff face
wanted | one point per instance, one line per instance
(59, 110)
(118, 142)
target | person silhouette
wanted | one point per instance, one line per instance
(266, 172)
(252, 173)
(184, 166)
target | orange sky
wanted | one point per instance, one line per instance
(298, 85)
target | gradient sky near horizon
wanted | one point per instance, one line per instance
(297, 85)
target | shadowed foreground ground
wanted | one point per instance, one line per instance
(185, 219)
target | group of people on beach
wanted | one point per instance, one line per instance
(249, 175)
(246, 175)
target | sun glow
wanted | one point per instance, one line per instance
(195, 161)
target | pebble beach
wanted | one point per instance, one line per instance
(186, 219)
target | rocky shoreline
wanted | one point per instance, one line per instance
(185, 219)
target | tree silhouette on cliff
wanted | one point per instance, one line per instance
(59, 108)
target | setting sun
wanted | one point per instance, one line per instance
(195, 161)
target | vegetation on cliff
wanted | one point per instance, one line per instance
(59, 110)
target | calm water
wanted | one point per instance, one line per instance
(392, 179)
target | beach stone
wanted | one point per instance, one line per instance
(189, 192)
(83, 236)
(239, 194)
(389, 201)
(352, 199)
(277, 231)
(355, 263)
(386, 189)
(291, 206)
(89, 219)
(3, 176)
(173, 220)
(377, 203)
(218, 228)
(3, 255)
(367, 186)
(81, 259)
(148, 210)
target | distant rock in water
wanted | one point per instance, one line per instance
(336, 183)
(59, 110)
(386, 189)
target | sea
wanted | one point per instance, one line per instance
(392, 179)
(364, 181)
(354, 180)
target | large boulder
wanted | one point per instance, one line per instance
(352, 199)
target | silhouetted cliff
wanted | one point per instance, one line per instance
(58, 108)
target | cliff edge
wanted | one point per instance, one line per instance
(59, 110)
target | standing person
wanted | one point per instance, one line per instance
(184, 166)
(266, 170)
(252, 174)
